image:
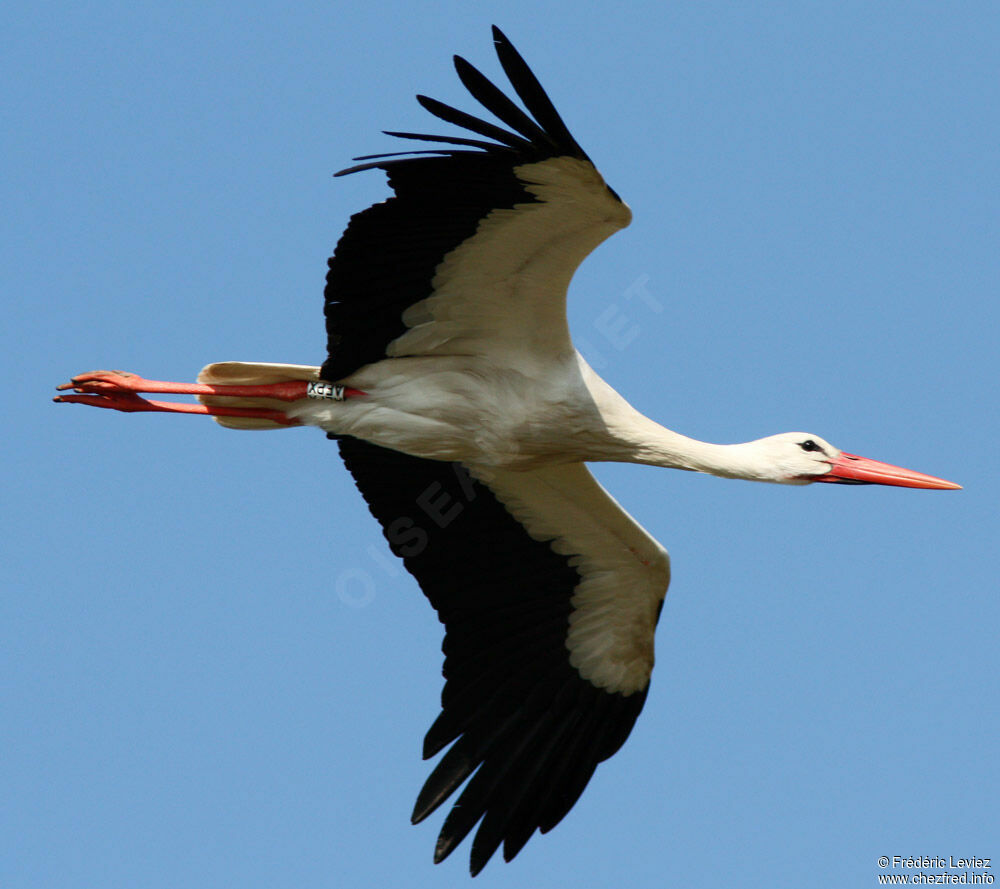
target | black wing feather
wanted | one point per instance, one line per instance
(473, 123)
(455, 140)
(513, 708)
(492, 98)
(530, 91)
(440, 198)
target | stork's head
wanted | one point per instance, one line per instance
(801, 458)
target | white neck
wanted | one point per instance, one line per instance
(650, 443)
(634, 438)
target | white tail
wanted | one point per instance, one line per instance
(246, 373)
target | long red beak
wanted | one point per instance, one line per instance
(850, 469)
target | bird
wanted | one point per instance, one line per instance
(466, 417)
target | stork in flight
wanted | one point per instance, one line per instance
(466, 416)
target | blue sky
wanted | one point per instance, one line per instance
(214, 674)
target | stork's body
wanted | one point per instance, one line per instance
(456, 393)
(472, 411)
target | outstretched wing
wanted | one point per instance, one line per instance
(474, 253)
(549, 593)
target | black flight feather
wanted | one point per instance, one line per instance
(526, 730)
(530, 91)
(470, 122)
(493, 99)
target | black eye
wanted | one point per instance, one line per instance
(809, 445)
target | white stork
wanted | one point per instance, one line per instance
(455, 394)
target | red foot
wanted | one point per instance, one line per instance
(105, 380)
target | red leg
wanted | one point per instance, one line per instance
(118, 390)
(129, 402)
(102, 382)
